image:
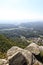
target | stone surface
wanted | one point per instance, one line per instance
(41, 50)
(3, 62)
(18, 59)
(37, 63)
(28, 56)
(18, 56)
(33, 48)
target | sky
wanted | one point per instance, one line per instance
(19, 10)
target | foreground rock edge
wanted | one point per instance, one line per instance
(27, 53)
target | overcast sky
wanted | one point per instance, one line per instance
(21, 10)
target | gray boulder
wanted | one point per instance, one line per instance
(33, 48)
(37, 63)
(41, 50)
(3, 62)
(18, 56)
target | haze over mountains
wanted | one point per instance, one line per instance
(29, 29)
(33, 26)
(24, 24)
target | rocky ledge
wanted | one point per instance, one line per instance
(28, 56)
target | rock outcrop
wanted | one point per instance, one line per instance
(41, 50)
(33, 48)
(27, 56)
(37, 63)
(19, 56)
(3, 62)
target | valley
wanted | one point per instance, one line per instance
(20, 35)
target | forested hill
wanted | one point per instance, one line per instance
(36, 25)
(11, 35)
(6, 44)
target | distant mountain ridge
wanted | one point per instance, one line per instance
(29, 29)
(7, 26)
(32, 24)
(37, 24)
